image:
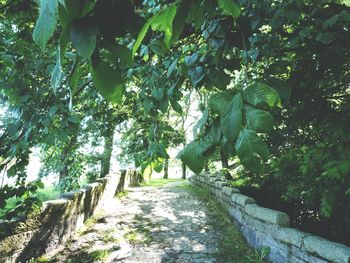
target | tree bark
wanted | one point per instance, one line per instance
(166, 168)
(108, 136)
(107, 153)
(183, 170)
(206, 167)
(224, 164)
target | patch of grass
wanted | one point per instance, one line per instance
(90, 222)
(232, 248)
(158, 182)
(108, 237)
(83, 257)
(95, 256)
(100, 255)
(141, 231)
(122, 194)
(48, 193)
(41, 259)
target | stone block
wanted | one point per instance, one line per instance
(15, 243)
(242, 199)
(279, 252)
(259, 225)
(91, 186)
(290, 236)
(299, 255)
(228, 190)
(236, 214)
(328, 250)
(267, 215)
(221, 184)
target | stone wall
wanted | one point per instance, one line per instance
(263, 227)
(41, 232)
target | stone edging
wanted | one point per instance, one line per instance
(264, 227)
(59, 219)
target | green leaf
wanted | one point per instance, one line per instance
(74, 118)
(220, 79)
(251, 150)
(11, 129)
(63, 42)
(141, 36)
(157, 166)
(228, 147)
(231, 120)
(119, 52)
(83, 36)
(191, 60)
(193, 158)
(108, 81)
(281, 87)
(57, 73)
(46, 23)
(176, 106)
(12, 171)
(75, 75)
(172, 68)
(344, 2)
(146, 169)
(164, 22)
(180, 19)
(199, 127)
(53, 110)
(69, 10)
(259, 94)
(258, 120)
(196, 74)
(218, 102)
(157, 93)
(230, 8)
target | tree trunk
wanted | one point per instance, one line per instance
(224, 163)
(183, 170)
(67, 160)
(206, 167)
(166, 168)
(107, 152)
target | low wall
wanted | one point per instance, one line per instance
(59, 219)
(264, 227)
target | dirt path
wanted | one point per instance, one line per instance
(166, 224)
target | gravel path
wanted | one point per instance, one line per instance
(166, 224)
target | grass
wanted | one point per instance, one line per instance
(48, 193)
(158, 182)
(122, 194)
(232, 248)
(108, 237)
(141, 231)
(95, 256)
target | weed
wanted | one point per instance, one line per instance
(260, 255)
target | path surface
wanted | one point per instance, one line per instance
(166, 224)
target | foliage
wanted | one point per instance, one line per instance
(276, 67)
